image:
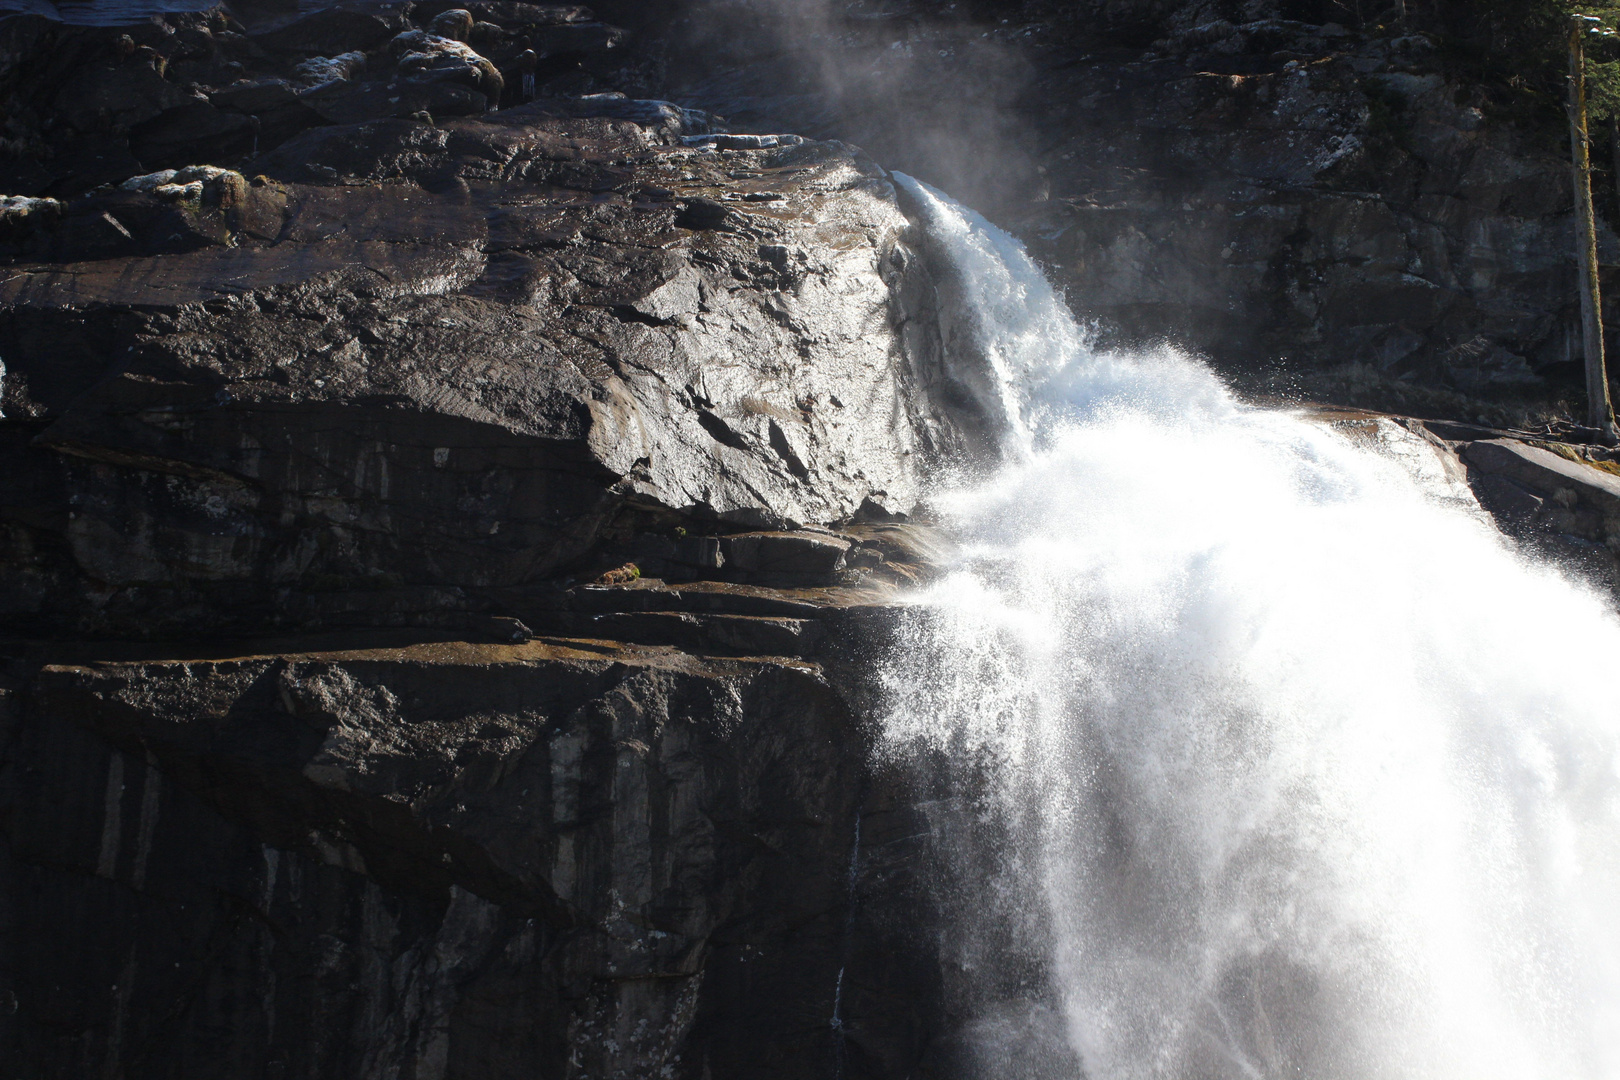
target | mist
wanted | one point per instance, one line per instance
(938, 90)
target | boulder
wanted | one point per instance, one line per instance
(1548, 474)
(464, 357)
(318, 70)
(454, 23)
(348, 26)
(1568, 509)
(20, 214)
(784, 554)
(425, 57)
(510, 14)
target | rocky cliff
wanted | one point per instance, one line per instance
(444, 859)
(413, 367)
(574, 368)
(1326, 208)
(449, 509)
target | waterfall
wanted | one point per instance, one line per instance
(1275, 759)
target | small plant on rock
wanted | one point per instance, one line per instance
(622, 575)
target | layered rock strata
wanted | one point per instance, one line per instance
(441, 860)
(618, 426)
(444, 551)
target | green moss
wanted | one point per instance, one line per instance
(1569, 453)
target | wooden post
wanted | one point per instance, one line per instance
(1614, 148)
(1599, 413)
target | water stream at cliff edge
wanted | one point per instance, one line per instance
(1287, 765)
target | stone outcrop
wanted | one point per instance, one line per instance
(1319, 210)
(1561, 503)
(1558, 501)
(571, 450)
(449, 509)
(430, 860)
(408, 366)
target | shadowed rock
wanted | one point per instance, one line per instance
(457, 860)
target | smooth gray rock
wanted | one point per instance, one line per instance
(803, 554)
(1547, 474)
(1565, 509)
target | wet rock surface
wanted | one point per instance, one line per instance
(1557, 501)
(479, 355)
(1562, 504)
(318, 324)
(570, 446)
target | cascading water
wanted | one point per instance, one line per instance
(1285, 765)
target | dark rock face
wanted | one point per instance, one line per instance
(573, 448)
(324, 345)
(299, 336)
(436, 860)
(1315, 208)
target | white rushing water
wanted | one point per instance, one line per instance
(1286, 765)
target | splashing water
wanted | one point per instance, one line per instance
(1285, 765)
